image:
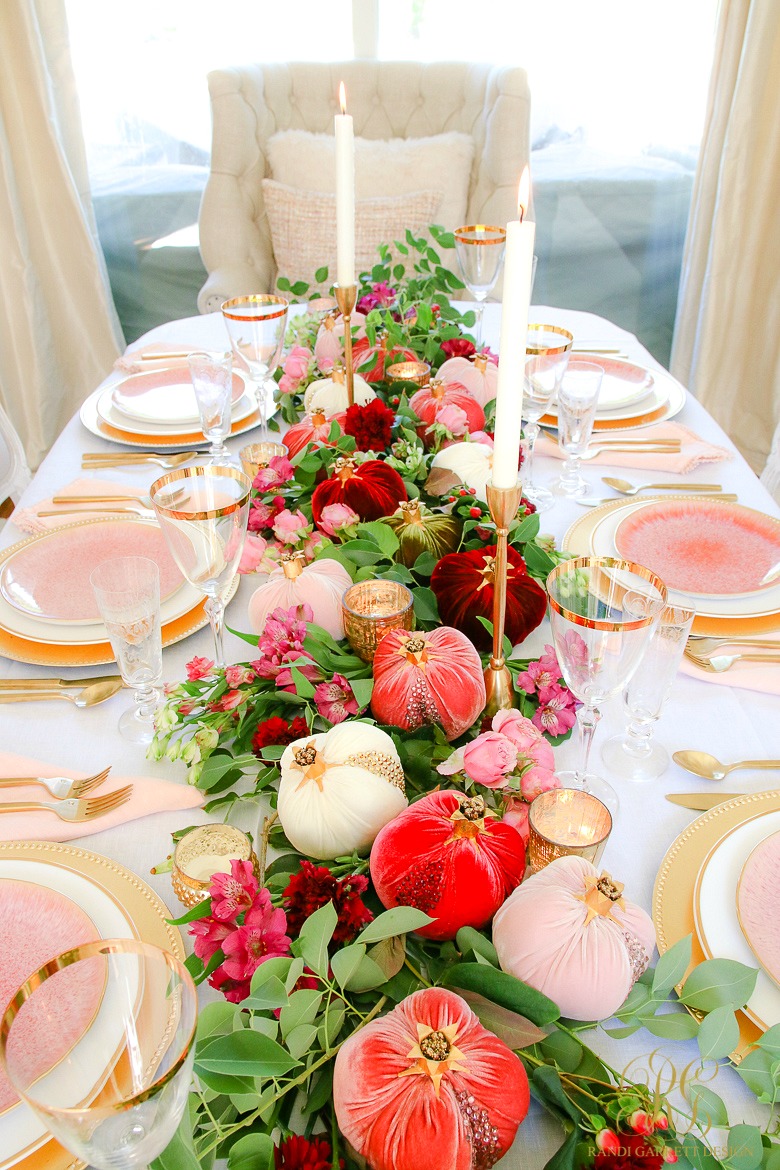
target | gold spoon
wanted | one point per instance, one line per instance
(709, 768)
(87, 696)
(629, 489)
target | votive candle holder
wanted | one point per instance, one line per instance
(417, 372)
(202, 852)
(371, 609)
(567, 822)
(258, 455)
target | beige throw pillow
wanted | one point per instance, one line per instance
(303, 227)
(396, 166)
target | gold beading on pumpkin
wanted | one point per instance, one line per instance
(380, 765)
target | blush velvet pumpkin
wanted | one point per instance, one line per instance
(372, 489)
(428, 402)
(449, 857)
(320, 585)
(426, 1086)
(433, 677)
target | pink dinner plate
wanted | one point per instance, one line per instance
(703, 547)
(48, 578)
(163, 396)
(758, 893)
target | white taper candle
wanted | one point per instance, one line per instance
(345, 193)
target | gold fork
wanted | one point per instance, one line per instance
(58, 786)
(717, 663)
(74, 810)
(90, 460)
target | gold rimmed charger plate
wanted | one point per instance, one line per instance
(578, 540)
(96, 426)
(148, 917)
(673, 893)
(667, 388)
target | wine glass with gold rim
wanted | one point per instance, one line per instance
(480, 250)
(255, 326)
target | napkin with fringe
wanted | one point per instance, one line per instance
(694, 451)
(29, 520)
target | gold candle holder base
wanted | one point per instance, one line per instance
(346, 296)
(201, 849)
(503, 504)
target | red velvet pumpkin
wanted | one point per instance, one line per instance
(372, 489)
(450, 857)
(433, 677)
(428, 401)
(313, 428)
(463, 584)
(371, 361)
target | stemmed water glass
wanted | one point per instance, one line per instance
(633, 755)
(255, 326)
(547, 356)
(603, 612)
(127, 591)
(578, 398)
(212, 382)
(480, 250)
(99, 1044)
(203, 513)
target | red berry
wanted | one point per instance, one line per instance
(607, 1141)
(475, 513)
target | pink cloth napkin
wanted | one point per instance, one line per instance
(750, 676)
(149, 796)
(28, 520)
(128, 363)
(693, 453)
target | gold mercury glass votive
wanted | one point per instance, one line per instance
(567, 822)
(258, 455)
(204, 851)
(417, 372)
(371, 609)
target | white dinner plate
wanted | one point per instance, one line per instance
(665, 400)
(715, 910)
(165, 397)
(110, 414)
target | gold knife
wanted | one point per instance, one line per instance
(701, 800)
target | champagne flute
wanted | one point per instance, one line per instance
(212, 382)
(578, 398)
(603, 612)
(203, 513)
(255, 326)
(99, 1044)
(547, 356)
(480, 250)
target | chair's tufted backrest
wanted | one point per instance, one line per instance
(386, 100)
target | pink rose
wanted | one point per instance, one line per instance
(253, 553)
(337, 517)
(454, 418)
(537, 780)
(481, 437)
(238, 675)
(489, 758)
(516, 815)
(528, 739)
(288, 385)
(199, 668)
(291, 527)
(297, 363)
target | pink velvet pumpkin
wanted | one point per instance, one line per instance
(569, 933)
(321, 585)
(450, 857)
(313, 428)
(433, 677)
(478, 374)
(428, 402)
(428, 1086)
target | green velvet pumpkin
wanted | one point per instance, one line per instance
(420, 530)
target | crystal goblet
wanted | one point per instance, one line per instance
(255, 325)
(578, 399)
(212, 381)
(602, 612)
(480, 250)
(547, 356)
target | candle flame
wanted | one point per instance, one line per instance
(523, 194)
(343, 98)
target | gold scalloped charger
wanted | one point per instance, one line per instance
(675, 884)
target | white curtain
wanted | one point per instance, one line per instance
(59, 332)
(727, 337)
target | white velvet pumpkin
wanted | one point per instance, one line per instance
(322, 584)
(478, 375)
(329, 395)
(338, 789)
(568, 932)
(471, 462)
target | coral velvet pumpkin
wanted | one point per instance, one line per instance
(313, 428)
(320, 585)
(426, 1087)
(372, 360)
(450, 857)
(427, 403)
(570, 934)
(463, 584)
(433, 677)
(420, 530)
(478, 375)
(338, 789)
(372, 489)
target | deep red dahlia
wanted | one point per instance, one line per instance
(634, 1153)
(313, 886)
(299, 1153)
(371, 425)
(458, 347)
(278, 731)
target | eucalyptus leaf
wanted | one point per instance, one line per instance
(398, 920)
(707, 1108)
(389, 954)
(471, 941)
(332, 1023)
(718, 1034)
(719, 983)
(671, 967)
(245, 1053)
(315, 936)
(301, 1008)
(673, 1026)
(254, 1151)
(346, 961)
(215, 1019)
(770, 1041)
(268, 995)
(744, 1150)
(179, 1154)
(301, 1039)
(366, 976)
(755, 1069)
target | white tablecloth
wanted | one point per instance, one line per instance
(730, 723)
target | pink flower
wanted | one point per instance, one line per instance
(261, 937)
(291, 527)
(576, 648)
(528, 740)
(261, 515)
(230, 700)
(487, 352)
(234, 990)
(537, 780)
(544, 673)
(252, 554)
(279, 471)
(516, 815)
(489, 759)
(641, 1122)
(454, 419)
(336, 518)
(233, 892)
(208, 935)
(297, 364)
(556, 712)
(380, 297)
(607, 1141)
(482, 437)
(238, 675)
(288, 385)
(199, 668)
(335, 699)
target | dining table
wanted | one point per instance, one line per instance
(728, 721)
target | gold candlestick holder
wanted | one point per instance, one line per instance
(503, 504)
(346, 296)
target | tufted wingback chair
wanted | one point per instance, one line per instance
(387, 99)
